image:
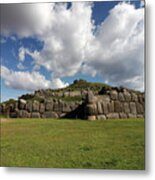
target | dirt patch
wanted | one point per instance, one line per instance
(5, 119)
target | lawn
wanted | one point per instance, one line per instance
(111, 144)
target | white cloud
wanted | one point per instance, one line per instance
(28, 81)
(58, 83)
(21, 55)
(115, 50)
(20, 66)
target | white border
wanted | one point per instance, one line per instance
(76, 174)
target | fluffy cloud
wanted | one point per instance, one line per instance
(117, 49)
(28, 81)
(72, 44)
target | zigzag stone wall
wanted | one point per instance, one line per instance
(49, 109)
(107, 104)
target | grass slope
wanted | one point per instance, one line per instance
(112, 144)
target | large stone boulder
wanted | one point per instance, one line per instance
(110, 106)
(56, 107)
(113, 116)
(122, 115)
(35, 115)
(132, 115)
(91, 109)
(114, 95)
(118, 106)
(127, 96)
(101, 117)
(134, 97)
(49, 106)
(42, 108)
(91, 118)
(140, 108)
(90, 97)
(99, 107)
(105, 107)
(29, 106)
(74, 93)
(23, 114)
(133, 108)
(35, 106)
(50, 114)
(126, 107)
(66, 108)
(121, 97)
(22, 104)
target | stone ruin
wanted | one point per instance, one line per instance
(107, 103)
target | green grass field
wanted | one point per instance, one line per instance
(111, 144)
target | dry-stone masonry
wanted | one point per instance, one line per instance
(110, 103)
(114, 104)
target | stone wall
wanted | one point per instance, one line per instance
(53, 108)
(107, 104)
(114, 104)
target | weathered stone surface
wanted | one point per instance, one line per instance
(133, 108)
(140, 116)
(122, 115)
(118, 106)
(84, 93)
(99, 108)
(35, 106)
(134, 97)
(91, 109)
(56, 107)
(140, 108)
(112, 116)
(35, 115)
(105, 107)
(66, 108)
(110, 106)
(91, 118)
(42, 108)
(114, 95)
(90, 97)
(21, 104)
(74, 93)
(126, 107)
(66, 94)
(101, 117)
(23, 114)
(105, 98)
(49, 106)
(127, 96)
(29, 106)
(141, 98)
(73, 106)
(112, 103)
(132, 115)
(60, 94)
(49, 114)
(121, 97)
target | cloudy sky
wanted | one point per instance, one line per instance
(50, 45)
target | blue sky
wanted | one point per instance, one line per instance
(58, 44)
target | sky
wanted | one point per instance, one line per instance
(49, 45)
